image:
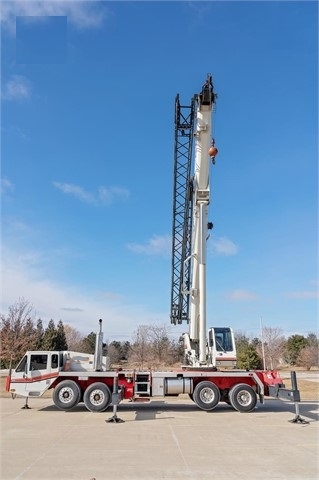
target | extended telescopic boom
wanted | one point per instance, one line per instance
(190, 221)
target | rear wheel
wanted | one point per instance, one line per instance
(206, 395)
(97, 397)
(243, 397)
(66, 395)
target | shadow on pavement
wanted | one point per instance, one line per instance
(148, 411)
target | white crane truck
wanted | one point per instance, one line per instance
(205, 376)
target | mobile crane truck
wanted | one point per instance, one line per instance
(208, 374)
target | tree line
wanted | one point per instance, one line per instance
(20, 332)
(274, 350)
(150, 347)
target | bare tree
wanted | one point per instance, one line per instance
(308, 357)
(73, 338)
(18, 333)
(274, 346)
(161, 346)
(114, 353)
(151, 346)
(140, 352)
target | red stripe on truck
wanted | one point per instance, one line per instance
(38, 378)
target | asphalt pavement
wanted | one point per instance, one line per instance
(169, 439)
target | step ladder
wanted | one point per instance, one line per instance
(142, 386)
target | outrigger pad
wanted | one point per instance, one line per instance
(114, 419)
(298, 419)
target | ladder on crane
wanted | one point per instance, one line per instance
(182, 209)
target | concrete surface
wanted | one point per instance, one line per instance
(158, 440)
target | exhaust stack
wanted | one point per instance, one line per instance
(98, 349)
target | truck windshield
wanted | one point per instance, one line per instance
(21, 366)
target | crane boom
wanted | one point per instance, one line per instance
(201, 199)
(190, 226)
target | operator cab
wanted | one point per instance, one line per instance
(221, 347)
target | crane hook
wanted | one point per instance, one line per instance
(212, 152)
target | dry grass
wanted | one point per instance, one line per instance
(309, 390)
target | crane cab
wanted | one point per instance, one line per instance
(221, 347)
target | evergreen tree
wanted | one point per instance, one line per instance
(241, 341)
(89, 343)
(39, 335)
(61, 343)
(125, 350)
(29, 334)
(50, 336)
(248, 358)
(295, 344)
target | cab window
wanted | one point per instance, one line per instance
(38, 362)
(61, 360)
(21, 366)
(223, 339)
(54, 360)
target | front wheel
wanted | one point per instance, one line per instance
(206, 395)
(66, 395)
(243, 397)
(97, 397)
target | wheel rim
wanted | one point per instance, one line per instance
(66, 395)
(244, 398)
(97, 397)
(207, 395)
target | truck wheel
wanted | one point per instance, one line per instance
(243, 397)
(66, 395)
(206, 395)
(97, 397)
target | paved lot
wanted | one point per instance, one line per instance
(159, 440)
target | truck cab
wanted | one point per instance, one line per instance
(36, 371)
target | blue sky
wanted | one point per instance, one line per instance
(87, 143)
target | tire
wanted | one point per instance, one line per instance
(97, 397)
(206, 395)
(243, 397)
(66, 395)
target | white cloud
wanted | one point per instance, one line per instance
(241, 295)
(106, 196)
(103, 196)
(224, 246)
(17, 87)
(72, 309)
(157, 245)
(6, 186)
(75, 190)
(83, 15)
(27, 276)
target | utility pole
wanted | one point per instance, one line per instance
(262, 342)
